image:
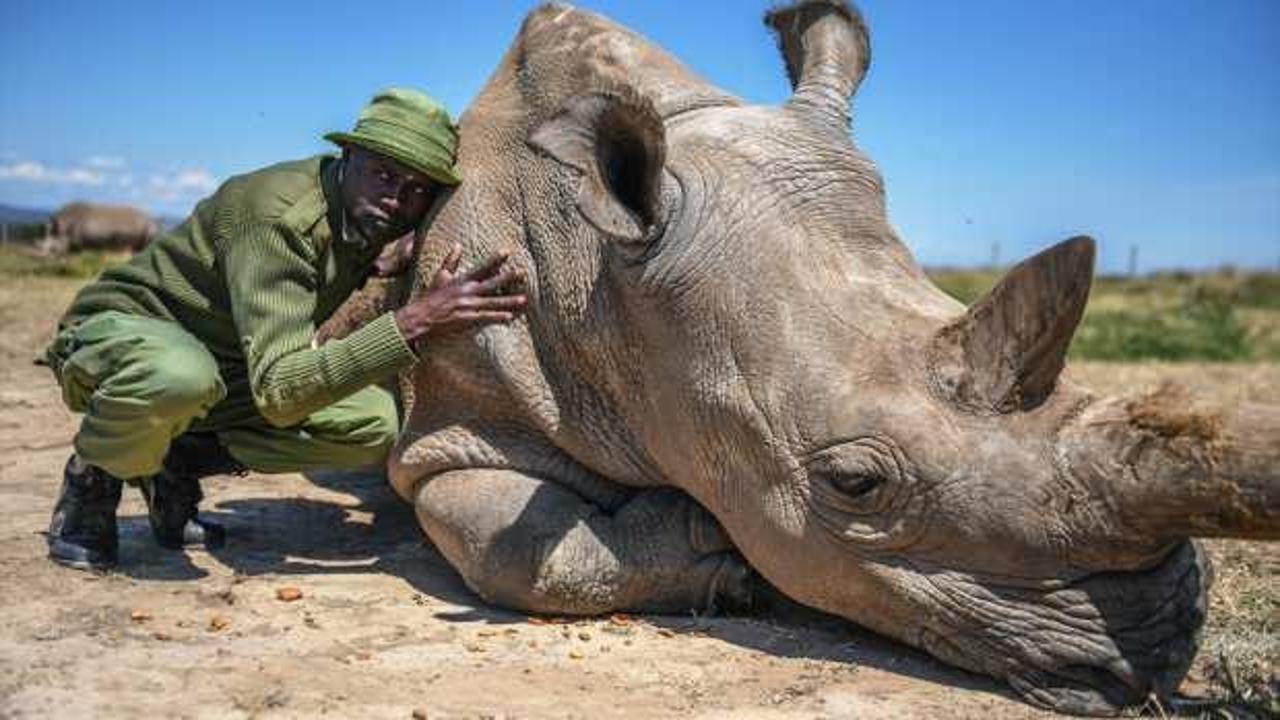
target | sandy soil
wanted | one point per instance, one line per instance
(383, 627)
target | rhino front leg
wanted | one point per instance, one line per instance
(536, 546)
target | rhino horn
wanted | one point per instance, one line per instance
(1006, 352)
(616, 140)
(828, 50)
(1172, 466)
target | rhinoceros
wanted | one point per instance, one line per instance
(731, 364)
(90, 226)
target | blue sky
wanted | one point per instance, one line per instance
(1146, 123)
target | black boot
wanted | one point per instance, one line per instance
(173, 495)
(82, 532)
(172, 510)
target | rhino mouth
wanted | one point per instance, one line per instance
(1094, 647)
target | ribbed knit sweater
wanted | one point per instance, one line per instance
(251, 274)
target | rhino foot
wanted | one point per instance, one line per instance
(533, 545)
(733, 589)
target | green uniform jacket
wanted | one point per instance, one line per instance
(251, 274)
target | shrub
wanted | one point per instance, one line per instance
(1259, 290)
(1203, 327)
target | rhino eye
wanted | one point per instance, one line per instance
(858, 476)
(857, 490)
(857, 484)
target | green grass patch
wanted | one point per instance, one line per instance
(1203, 328)
(22, 262)
(965, 285)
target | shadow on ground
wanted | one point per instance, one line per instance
(377, 532)
(374, 532)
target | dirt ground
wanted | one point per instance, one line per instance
(384, 628)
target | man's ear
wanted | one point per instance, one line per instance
(616, 139)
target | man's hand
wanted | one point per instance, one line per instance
(455, 301)
(396, 257)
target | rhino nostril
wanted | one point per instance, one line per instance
(1117, 682)
(1123, 671)
(1079, 689)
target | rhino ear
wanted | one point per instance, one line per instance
(616, 139)
(1007, 351)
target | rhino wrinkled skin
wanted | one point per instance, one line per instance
(731, 363)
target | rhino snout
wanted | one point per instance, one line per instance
(1092, 647)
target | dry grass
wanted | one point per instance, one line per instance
(1240, 658)
(1223, 383)
(19, 261)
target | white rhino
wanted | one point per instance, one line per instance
(732, 362)
(89, 226)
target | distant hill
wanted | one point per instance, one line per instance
(11, 215)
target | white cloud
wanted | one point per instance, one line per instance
(197, 180)
(32, 171)
(191, 184)
(81, 176)
(107, 178)
(29, 171)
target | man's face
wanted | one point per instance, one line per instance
(383, 198)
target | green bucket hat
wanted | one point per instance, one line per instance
(408, 126)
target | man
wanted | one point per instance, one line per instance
(198, 356)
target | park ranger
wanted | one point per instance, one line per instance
(198, 356)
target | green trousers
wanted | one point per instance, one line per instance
(141, 382)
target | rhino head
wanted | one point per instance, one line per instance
(719, 303)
